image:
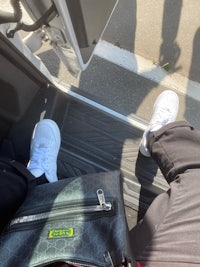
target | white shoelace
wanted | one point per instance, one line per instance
(38, 157)
(162, 117)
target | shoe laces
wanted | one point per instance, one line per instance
(39, 157)
(162, 116)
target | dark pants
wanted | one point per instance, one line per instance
(169, 234)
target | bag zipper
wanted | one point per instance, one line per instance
(102, 206)
(107, 258)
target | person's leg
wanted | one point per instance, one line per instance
(164, 113)
(175, 148)
(13, 189)
(44, 148)
(169, 230)
(45, 145)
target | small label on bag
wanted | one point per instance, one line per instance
(61, 233)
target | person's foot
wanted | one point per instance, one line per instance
(45, 145)
(164, 111)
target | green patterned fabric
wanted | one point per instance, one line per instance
(57, 223)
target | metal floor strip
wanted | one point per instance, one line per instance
(133, 120)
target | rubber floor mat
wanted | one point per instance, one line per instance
(93, 141)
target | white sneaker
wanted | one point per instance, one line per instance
(164, 111)
(45, 145)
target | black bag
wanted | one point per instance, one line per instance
(15, 181)
(79, 221)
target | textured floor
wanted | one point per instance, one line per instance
(93, 141)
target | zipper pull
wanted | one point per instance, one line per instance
(101, 197)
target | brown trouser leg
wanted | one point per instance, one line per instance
(170, 231)
(175, 148)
